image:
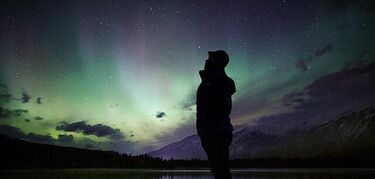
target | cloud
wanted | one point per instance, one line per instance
(324, 50)
(5, 98)
(25, 97)
(39, 100)
(5, 113)
(65, 138)
(39, 138)
(9, 114)
(160, 114)
(38, 118)
(114, 105)
(345, 85)
(325, 98)
(99, 130)
(19, 112)
(18, 133)
(304, 63)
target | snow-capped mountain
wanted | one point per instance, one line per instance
(349, 135)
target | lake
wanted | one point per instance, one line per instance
(185, 174)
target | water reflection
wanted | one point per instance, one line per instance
(187, 174)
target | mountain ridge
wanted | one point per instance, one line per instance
(350, 135)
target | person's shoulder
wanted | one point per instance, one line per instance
(230, 85)
(230, 80)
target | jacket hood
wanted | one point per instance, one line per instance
(214, 74)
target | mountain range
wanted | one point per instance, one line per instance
(349, 136)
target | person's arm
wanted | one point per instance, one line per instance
(222, 98)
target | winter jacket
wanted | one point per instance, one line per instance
(214, 104)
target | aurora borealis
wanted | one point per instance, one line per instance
(122, 75)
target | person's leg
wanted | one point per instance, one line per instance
(209, 149)
(222, 158)
(217, 151)
(215, 158)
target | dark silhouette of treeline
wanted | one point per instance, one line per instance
(19, 154)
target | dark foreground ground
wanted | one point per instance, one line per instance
(19, 154)
(264, 173)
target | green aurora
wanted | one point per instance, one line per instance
(120, 64)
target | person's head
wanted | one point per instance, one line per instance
(217, 59)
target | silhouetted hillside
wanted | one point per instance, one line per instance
(16, 153)
(19, 154)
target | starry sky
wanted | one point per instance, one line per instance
(122, 75)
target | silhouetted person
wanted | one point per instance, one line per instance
(214, 104)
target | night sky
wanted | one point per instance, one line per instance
(122, 75)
